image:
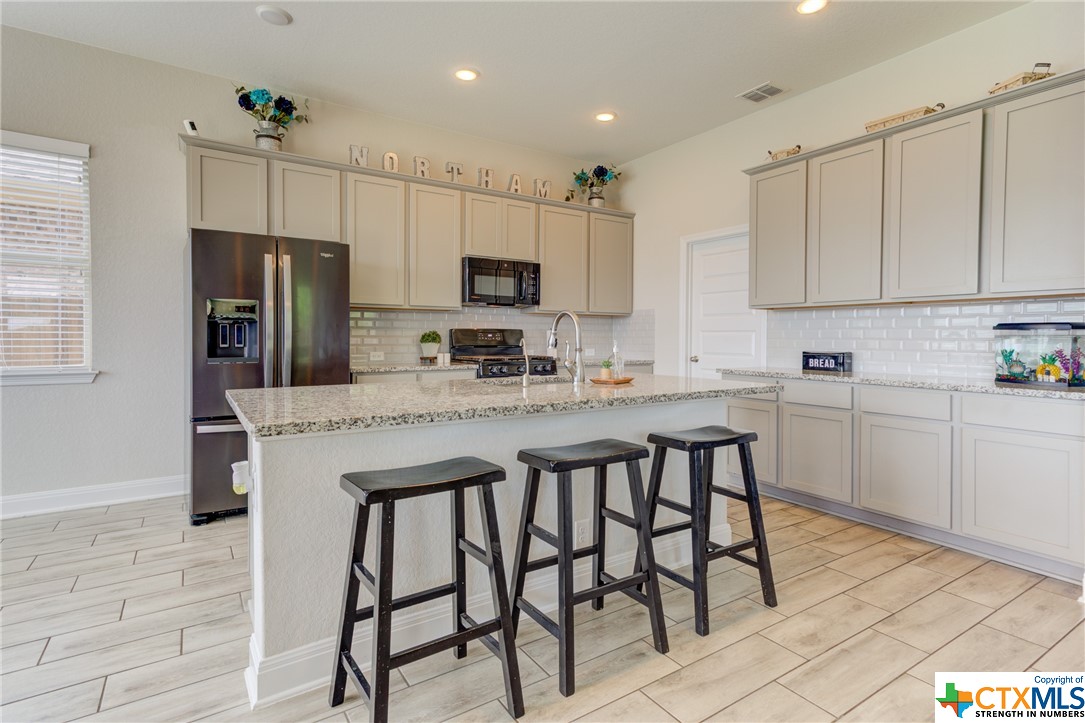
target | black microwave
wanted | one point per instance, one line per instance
(499, 282)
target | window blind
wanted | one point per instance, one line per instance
(44, 254)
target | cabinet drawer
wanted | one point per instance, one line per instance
(818, 394)
(1054, 417)
(926, 405)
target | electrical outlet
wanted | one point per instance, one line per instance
(580, 532)
(589, 353)
(376, 356)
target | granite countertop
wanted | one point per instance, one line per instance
(408, 367)
(287, 411)
(908, 382)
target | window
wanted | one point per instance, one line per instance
(44, 261)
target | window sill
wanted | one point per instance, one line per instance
(31, 377)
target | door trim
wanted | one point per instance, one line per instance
(734, 234)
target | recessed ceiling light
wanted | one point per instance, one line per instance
(274, 15)
(808, 7)
(467, 74)
(606, 117)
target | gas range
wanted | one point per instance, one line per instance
(496, 353)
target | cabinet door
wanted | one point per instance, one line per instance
(563, 259)
(610, 289)
(482, 225)
(306, 201)
(757, 417)
(1023, 490)
(376, 213)
(778, 236)
(905, 468)
(520, 230)
(227, 191)
(934, 208)
(844, 225)
(1038, 182)
(816, 451)
(434, 242)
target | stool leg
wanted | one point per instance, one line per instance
(599, 533)
(566, 645)
(523, 544)
(699, 536)
(459, 567)
(655, 481)
(646, 554)
(510, 666)
(708, 472)
(350, 605)
(757, 525)
(382, 616)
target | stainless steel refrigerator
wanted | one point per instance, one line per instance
(261, 312)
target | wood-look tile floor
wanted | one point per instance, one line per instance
(127, 613)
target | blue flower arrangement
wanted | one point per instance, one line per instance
(596, 177)
(261, 105)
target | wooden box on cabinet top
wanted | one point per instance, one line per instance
(227, 191)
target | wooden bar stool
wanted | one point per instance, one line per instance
(700, 444)
(563, 461)
(386, 487)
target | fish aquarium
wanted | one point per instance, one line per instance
(1042, 356)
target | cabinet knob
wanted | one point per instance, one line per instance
(695, 359)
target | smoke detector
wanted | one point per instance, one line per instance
(760, 93)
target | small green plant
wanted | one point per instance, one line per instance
(430, 337)
(607, 364)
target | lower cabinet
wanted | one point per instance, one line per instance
(760, 417)
(1023, 490)
(817, 451)
(905, 468)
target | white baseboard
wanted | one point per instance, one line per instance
(74, 498)
(278, 677)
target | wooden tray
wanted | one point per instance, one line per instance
(623, 380)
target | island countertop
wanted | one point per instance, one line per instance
(290, 411)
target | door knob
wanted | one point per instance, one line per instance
(695, 359)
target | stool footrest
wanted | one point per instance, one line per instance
(610, 587)
(407, 601)
(355, 674)
(618, 517)
(671, 529)
(545, 562)
(543, 534)
(672, 575)
(716, 551)
(673, 505)
(488, 640)
(729, 493)
(364, 576)
(538, 616)
(474, 550)
(445, 642)
(632, 592)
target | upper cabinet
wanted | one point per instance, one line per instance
(501, 228)
(376, 220)
(227, 191)
(934, 208)
(563, 259)
(433, 247)
(610, 290)
(305, 201)
(1037, 187)
(778, 236)
(844, 225)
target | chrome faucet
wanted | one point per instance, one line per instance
(577, 373)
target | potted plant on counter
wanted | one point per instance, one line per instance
(431, 342)
(607, 369)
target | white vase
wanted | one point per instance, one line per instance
(595, 197)
(268, 137)
(430, 349)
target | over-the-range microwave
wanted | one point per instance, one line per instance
(499, 282)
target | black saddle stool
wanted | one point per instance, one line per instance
(386, 487)
(563, 461)
(700, 444)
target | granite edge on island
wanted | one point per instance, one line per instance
(409, 367)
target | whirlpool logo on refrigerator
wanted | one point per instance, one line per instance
(1008, 695)
(326, 255)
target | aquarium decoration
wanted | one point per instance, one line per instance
(1045, 356)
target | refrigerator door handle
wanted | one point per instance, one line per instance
(269, 320)
(288, 319)
(218, 428)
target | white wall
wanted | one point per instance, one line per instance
(128, 425)
(697, 185)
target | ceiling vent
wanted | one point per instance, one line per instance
(760, 93)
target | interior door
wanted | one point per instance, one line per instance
(724, 331)
(314, 280)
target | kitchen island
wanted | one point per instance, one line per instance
(302, 439)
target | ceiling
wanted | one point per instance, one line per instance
(669, 69)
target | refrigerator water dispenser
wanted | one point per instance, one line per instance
(233, 331)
